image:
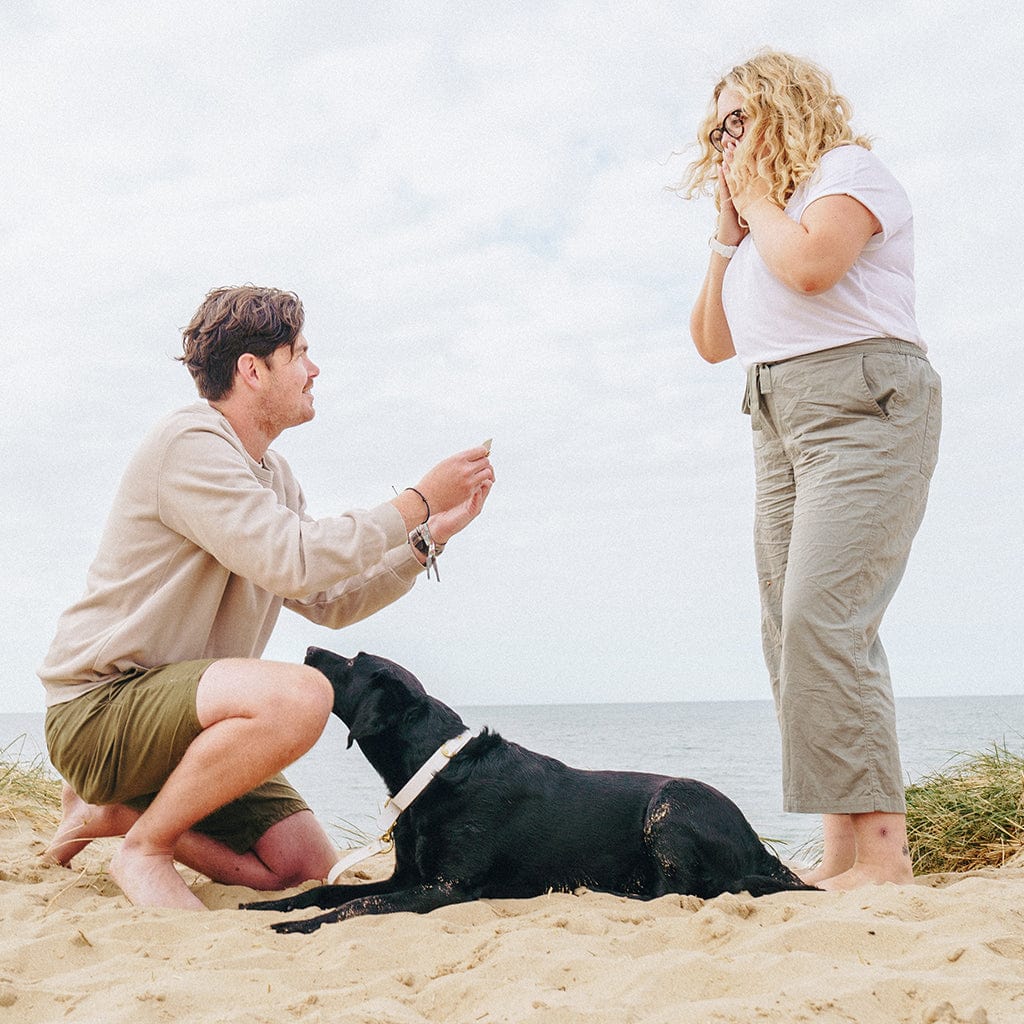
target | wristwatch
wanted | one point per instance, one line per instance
(725, 251)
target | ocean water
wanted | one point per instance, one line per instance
(732, 745)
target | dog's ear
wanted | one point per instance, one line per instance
(381, 707)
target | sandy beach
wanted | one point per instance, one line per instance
(947, 950)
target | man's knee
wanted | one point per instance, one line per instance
(317, 693)
(296, 849)
(304, 702)
(296, 696)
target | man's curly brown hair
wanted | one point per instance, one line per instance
(231, 322)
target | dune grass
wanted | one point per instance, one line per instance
(969, 815)
(962, 817)
(27, 788)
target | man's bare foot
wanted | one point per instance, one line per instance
(867, 874)
(149, 879)
(81, 823)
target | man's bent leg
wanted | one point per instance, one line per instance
(291, 851)
(82, 822)
(257, 717)
(116, 744)
(294, 850)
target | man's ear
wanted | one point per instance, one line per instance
(249, 369)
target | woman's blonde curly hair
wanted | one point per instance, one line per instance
(795, 113)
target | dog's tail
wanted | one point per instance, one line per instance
(770, 875)
(764, 885)
(776, 879)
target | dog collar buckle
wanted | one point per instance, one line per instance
(456, 745)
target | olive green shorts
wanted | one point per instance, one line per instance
(118, 744)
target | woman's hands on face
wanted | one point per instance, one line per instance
(741, 188)
(730, 231)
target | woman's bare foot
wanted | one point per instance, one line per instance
(829, 867)
(149, 878)
(811, 876)
(882, 853)
(862, 849)
(81, 823)
(868, 874)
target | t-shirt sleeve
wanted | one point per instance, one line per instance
(855, 171)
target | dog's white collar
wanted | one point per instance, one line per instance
(394, 805)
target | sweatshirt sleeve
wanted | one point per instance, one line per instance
(210, 494)
(361, 595)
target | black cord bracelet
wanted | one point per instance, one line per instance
(424, 500)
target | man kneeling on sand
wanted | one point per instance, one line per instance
(161, 717)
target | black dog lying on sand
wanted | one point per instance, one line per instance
(502, 822)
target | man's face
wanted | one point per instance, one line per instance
(287, 398)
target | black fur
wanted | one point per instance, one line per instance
(503, 822)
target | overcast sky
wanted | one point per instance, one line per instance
(471, 201)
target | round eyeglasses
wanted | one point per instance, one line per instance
(732, 126)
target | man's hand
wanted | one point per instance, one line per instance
(455, 479)
(454, 485)
(444, 525)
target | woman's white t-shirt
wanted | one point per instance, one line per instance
(770, 321)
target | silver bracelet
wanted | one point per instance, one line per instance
(422, 541)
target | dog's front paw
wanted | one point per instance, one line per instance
(300, 927)
(283, 905)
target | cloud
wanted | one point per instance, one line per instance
(472, 205)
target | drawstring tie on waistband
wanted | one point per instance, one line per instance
(759, 382)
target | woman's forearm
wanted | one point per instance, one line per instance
(708, 326)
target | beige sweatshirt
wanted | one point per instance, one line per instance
(202, 548)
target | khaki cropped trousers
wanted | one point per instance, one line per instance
(845, 443)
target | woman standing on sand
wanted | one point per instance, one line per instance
(810, 283)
